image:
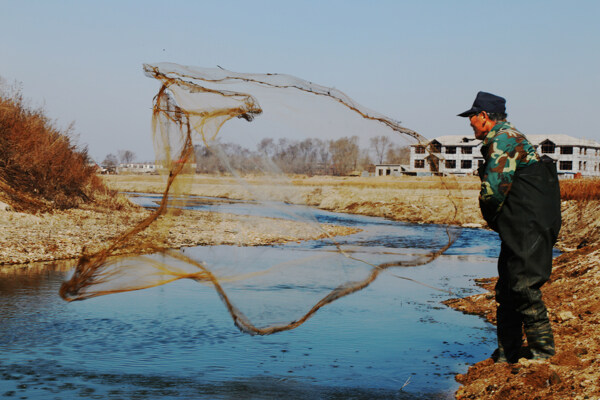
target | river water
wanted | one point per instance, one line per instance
(177, 341)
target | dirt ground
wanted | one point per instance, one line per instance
(572, 296)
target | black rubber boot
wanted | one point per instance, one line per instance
(540, 341)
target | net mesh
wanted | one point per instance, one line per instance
(200, 122)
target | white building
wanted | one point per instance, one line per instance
(390, 169)
(137, 168)
(572, 156)
(461, 155)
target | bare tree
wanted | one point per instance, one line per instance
(344, 154)
(364, 161)
(398, 155)
(110, 161)
(380, 144)
(126, 156)
(266, 147)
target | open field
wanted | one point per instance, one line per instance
(421, 200)
(452, 200)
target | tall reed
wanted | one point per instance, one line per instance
(580, 189)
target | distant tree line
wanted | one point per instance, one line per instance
(123, 156)
(309, 156)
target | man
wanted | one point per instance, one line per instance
(519, 199)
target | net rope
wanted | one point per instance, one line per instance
(190, 109)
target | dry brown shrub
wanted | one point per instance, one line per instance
(580, 189)
(40, 167)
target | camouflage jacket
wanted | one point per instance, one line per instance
(505, 150)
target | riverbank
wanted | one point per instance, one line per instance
(573, 299)
(409, 199)
(572, 294)
(66, 234)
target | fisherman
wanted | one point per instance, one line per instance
(519, 199)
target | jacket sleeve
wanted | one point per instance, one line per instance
(497, 176)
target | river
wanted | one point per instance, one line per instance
(393, 339)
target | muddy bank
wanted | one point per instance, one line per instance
(572, 296)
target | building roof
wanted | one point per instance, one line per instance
(453, 140)
(557, 139)
(562, 140)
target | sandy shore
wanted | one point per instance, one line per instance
(60, 235)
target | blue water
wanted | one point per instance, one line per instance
(177, 341)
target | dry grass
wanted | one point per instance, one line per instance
(411, 199)
(40, 167)
(580, 189)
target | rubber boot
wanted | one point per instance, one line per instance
(510, 333)
(498, 355)
(540, 341)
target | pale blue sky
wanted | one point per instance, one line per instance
(420, 62)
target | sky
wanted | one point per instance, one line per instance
(419, 62)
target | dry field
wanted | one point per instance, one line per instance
(423, 200)
(451, 200)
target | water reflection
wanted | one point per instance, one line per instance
(177, 341)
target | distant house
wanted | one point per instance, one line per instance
(137, 168)
(461, 155)
(572, 155)
(390, 169)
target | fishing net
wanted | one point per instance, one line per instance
(274, 138)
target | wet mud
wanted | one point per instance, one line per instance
(572, 296)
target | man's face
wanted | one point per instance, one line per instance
(478, 123)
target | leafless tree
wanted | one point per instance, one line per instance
(110, 161)
(364, 161)
(344, 154)
(126, 156)
(266, 147)
(380, 144)
(398, 155)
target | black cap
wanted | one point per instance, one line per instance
(486, 102)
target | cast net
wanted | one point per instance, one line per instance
(269, 143)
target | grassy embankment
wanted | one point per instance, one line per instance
(41, 169)
(54, 206)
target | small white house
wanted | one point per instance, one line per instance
(390, 169)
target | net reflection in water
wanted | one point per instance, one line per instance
(296, 127)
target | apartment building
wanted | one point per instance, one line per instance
(461, 155)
